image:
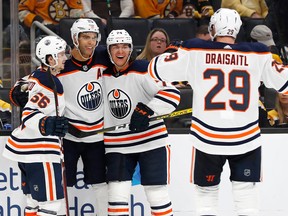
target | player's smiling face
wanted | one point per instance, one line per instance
(120, 54)
(87, 43)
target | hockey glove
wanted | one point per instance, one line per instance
(19, 97)
(140, 118)
(53, 125)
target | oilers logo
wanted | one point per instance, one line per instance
(119, 103)
(90, 96)
(58, 10)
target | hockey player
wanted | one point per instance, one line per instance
(225, 78)
(128, 85)
(82, 82)
(35, 143)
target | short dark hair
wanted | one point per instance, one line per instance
(202, 29)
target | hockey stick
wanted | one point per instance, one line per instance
(80, 134)
(61, 143)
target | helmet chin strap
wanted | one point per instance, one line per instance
(53, 69)
(82, 55)
(77, 48)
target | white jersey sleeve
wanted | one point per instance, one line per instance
(165, 97)
(275, 75)
(171, 67)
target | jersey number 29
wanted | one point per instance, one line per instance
(243, 90)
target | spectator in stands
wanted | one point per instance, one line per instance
(277, 20)
(48, 12)
(89, 13)
(104, 9)
(263, 34)
(279, 115)
(156, 43)
(251, 8)
(203, 33)
(152, 9)
(197, 9)
(23, 37)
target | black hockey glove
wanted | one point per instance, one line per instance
(53, 125)
(173, 46)
(140, 118)
(19, 97)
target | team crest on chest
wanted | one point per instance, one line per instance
(119, 103)
(90, 96)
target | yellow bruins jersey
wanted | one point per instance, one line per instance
(49, 10)
(147, 9)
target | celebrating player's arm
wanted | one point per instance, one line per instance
(166, 66)
(165, 99)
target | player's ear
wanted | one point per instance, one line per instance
(212, 27)
(213, 30)
(75, 41)
(49, 60)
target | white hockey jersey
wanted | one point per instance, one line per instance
(123, 90)
(225, 80)
(26, 143)
(82, 83)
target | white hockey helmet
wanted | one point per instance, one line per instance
(119, 37)
(84, 25)
(225, 22)
(51, 45)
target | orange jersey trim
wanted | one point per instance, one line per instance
(225, 136)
